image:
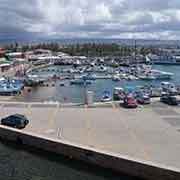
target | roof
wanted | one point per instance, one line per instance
(48, 57)
(5, 64)
(3, 59)
(14, 54)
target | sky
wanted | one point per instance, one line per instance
(141, 19)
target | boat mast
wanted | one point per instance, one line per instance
(135, 46)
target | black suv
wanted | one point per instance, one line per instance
(17, 121)
(170, 100)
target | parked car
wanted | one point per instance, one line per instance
(17, 121)
(170, 100)
(130, 102)
(143, 99)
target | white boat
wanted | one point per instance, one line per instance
(163, 59)
(161, 74)
(123, 76)
(89, 69)
(131, 77)
(116, 78)
(169, 87)
(102, 69)
(106, 97)
(81, 71)
(147, 77)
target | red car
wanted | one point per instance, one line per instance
(130, 102)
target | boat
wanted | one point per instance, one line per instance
(102, 69)
(147, 77)
(81, 70)
(116, 78)
(106, 97)
(166, 59)
(123, 76)
(89, 69)
(161, 74)
(9, 89)
(62, 84)
(80, 82)
(131, 77)
(89, 77)
(169, 88)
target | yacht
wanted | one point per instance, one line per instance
(106, 97)
(102, 69)
(147, 77)
(163, 59)
(169, 87)
(161, 74)
(10, 87)
(116, 77)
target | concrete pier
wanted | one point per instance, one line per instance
(143, 142)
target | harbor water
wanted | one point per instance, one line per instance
(75, 93)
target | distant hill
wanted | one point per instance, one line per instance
(130, 42)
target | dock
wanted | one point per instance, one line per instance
(142, 142)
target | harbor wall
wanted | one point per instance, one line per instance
(122, 164)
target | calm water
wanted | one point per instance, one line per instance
(19, 163)
(75, 93)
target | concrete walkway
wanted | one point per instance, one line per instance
(150, 133)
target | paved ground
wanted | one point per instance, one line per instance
(149, 133)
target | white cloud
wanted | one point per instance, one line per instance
(91, 18)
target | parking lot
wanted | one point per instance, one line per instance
(150, 133)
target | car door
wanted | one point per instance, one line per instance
(10, 121)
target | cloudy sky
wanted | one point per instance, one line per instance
(146, 19)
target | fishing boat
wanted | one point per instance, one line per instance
(80, 82)
(169, 88)
(102, 69)
(165, 59)
(81, 70)
(147, 77)
(161, 74)
(106, 97)
(89, 69)
(9, 89)
(91, 77)
(116, 77)
(62, 84)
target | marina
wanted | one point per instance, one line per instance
(104, 111)
(72, 89)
